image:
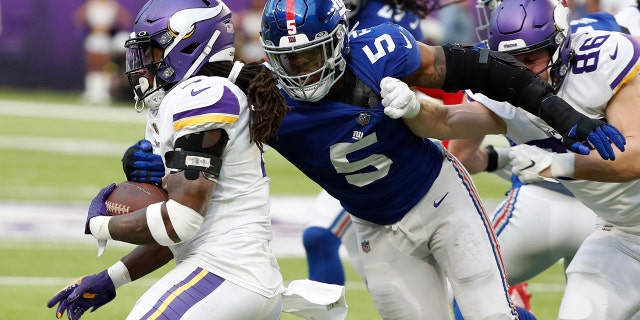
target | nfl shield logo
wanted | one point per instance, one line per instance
(363, 119)
(365, 246)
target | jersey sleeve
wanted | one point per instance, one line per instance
(603, 63)
(386, 50)
(202, 104)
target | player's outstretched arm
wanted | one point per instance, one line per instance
(96, 290)
(501, 77)
(430, 119)
(621, 111)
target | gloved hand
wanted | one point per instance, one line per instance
(528, 161)
(590, 134)
(97, 206)
(398, 100)
(92, 291)
(140, 164)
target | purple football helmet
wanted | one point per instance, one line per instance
(305, 42)
(523, 26)
(190, 33)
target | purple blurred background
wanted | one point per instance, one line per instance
(42, 47)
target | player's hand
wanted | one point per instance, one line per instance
(398, 100)
(87, 292)
(528, 161)
(140, 164)
(97, 206)
(590, 134)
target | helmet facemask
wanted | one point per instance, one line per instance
(308, 71)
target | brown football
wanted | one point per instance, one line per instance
(129, 196)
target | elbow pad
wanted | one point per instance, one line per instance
(497, 75)
(185, 221)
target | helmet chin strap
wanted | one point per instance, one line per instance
(153, 99)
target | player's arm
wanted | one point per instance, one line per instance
(195, 166)
(502, 78)
(94, 291)
(622, 111)
(429, 118)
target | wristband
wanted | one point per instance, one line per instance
(492, 162)
(99, 227)
(498, 158)
(119, 274)
(563, 165)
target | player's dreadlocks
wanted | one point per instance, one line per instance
(260, 86)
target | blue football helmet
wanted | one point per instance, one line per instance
(189, 33)
(523, 26)
(305, 42)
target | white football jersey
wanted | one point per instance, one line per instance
(604, 62)
(233, 241)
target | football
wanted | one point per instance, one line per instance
(129, 196)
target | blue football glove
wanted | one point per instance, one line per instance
(590, 134)
(97, 206)
(140, 164)
(92, 291)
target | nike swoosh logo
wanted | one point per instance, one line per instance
(533, 163)
(615, 54)
(414, 24)
(196, 92)
(437, 203)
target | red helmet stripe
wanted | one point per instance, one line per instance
(290, 10)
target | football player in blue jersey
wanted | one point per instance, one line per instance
(417, 215)
(328, 225)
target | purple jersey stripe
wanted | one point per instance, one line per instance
(631, 70)
(176, 301)
(227, 109)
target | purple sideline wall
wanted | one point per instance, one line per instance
(41, 47)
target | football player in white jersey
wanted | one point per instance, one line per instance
(537, 224)
(599, 79)
(216, 225)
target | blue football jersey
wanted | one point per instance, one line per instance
(595, 21)
(373, 164)
(377, 12)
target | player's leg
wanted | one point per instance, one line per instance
(536, 227)
(327, 222)
(350, 242)
(190, 292)
(465, 246)
(404, 281)
(601, 278)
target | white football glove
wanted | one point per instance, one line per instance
(528, 161)
(398, 100)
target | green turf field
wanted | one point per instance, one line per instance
(68, 153)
